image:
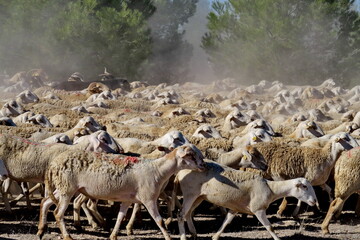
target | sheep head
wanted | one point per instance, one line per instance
(188, 156)
(252, 158)
(303, 191)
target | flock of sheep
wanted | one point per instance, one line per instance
(239, 148)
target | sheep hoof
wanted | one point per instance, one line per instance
(41, 233)
(279, 214)
(215, 237)
(113, 237)
(129, 232)
(325, 231)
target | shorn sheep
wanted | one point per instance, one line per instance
(314, 164)
(240, 191)
(347, 182)
(111, 180)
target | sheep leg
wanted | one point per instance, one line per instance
(21, 195)
(261, 216)
(78, 202)
(297, 209)
(187, 204)
(129, 226)
(327, 189)
(25, 189)
(152, 208)
(335, 206)
(45, 205)
(59, 212)
(4, 193)
(122, 212)
(169, 204)
(92, 206)
(282, 207)
(189, 218)
(229, 217)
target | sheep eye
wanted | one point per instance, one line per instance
(305, 187)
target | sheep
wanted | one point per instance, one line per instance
(235, 119)
(236, 158)
(11, 109)
(259, 123)
(101, 142)
(206, 131)
(136, 183)
(86, 122)
(27, 97)
(307, 129)
(40, 119)
(166, 143)
(252, 137)
(58, 138)
(315, 164)
(347, 182)
(76, 77)
(27, 161)
(240, 191)
(23, 118)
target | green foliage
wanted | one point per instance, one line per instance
(294, 41)
(171, 53)
(75, 35)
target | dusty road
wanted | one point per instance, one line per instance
(22, 224)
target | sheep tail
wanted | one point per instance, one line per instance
(49, 187)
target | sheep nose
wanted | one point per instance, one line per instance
(202, 167)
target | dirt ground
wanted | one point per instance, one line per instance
(22, 224)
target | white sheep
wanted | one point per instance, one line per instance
(107, 178)
(240, 191)
(315, 164)
(206, 131)
(307, 129)
(347, 182)
(27, 97)
(235, 119)
(11, 109)
(252, 137)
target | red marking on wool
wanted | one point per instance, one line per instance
(127, 110)
(349, 152)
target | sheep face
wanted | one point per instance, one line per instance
(342, 141)
(237, 119)
(170, 141)
(252, 158)
(189, 157)
(41, 120)
(303, 191)
(89, 123)
(12, 109)
(101, 141)
(259, 135)
(206, 131)
(3, 171)
(27, 97)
